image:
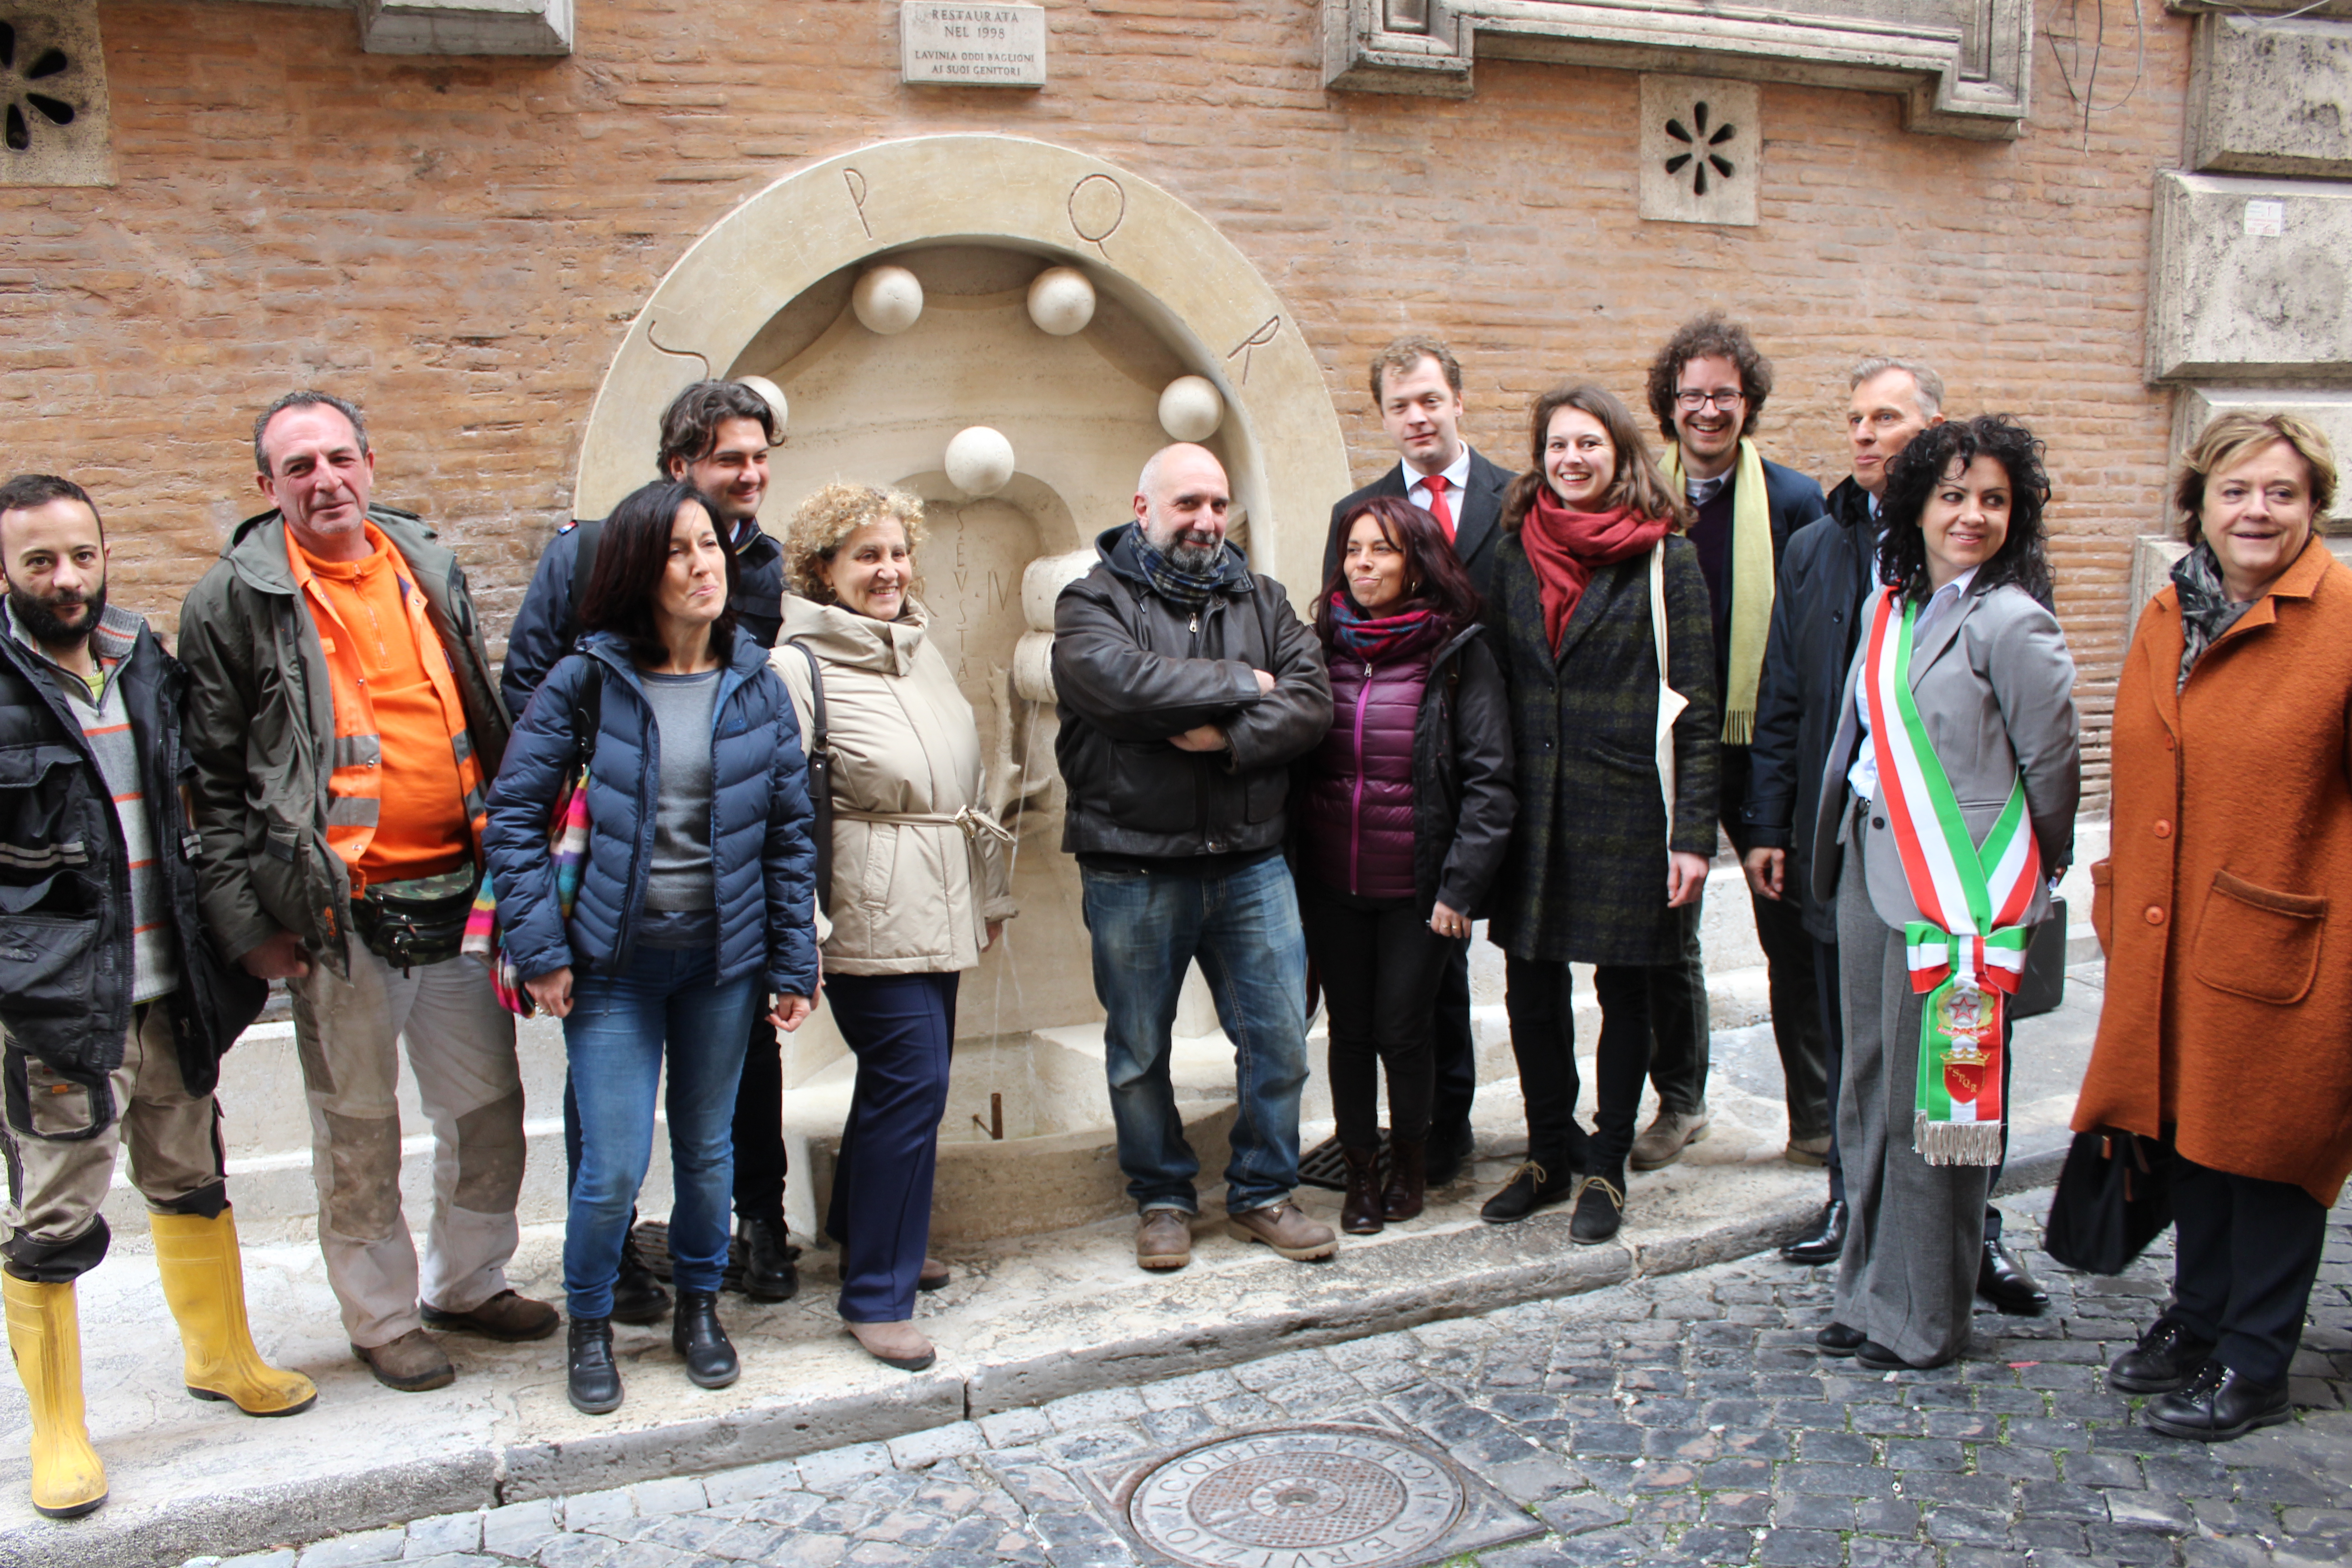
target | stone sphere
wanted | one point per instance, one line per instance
(979, 461)
(887, 299)
(770, 394)
(1191, 409)
(1061, 301)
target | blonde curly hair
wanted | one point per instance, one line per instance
(832, 515)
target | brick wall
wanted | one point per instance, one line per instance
(457, 244)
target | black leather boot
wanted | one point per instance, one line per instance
(1408, 1178)
(1359, 1211)
(595, 1383)
(637, 1296)
(1824, 1242)
(2165, 1358)
(700, 1342)
(769, 1271)
(2217, 1405)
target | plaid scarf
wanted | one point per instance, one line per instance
(1377, 639)
(1188, 589)
(2206, 612)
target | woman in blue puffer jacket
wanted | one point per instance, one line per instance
(695, 902)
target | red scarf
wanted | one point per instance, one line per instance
(1566, 548)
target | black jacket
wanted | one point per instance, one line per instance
(65, 964)
(1478, 518)
(1133, 669)
(1463, 798)
(548, 625)
(1816, 621)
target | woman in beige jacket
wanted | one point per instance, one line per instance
(919, 881)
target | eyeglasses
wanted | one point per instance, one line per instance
(1692, 402)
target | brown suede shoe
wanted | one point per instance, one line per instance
(1285, 1229)
(1669, 1133)
(1163, 1238)
(411, 1363)
(505, 1316)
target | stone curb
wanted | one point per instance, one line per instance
(491, 1475)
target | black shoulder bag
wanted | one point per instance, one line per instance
(820, 782)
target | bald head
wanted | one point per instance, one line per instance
(1181, 501)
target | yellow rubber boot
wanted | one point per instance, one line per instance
(203, 1280)
(45, 1336)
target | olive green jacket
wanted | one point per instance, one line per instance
(261, 728)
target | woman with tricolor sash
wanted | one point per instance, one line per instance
(1948, 809)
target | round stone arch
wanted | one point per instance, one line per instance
(1157, 255)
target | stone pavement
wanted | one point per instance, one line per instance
(1660, 1421)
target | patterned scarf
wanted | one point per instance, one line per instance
(2206, 612)
(1567, 547)
(1188, 589)
(1402, 633)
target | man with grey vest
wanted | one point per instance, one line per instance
(344, 728)
(1188, 687)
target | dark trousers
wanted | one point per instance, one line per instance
(1380, 965)
(2247, 1253)
(1681, 1046)
(1540, 999)
(1454, 1050)
(761, 1162)
(901, 1027)
(1825, 999)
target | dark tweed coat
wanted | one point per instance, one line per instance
(1586, 876)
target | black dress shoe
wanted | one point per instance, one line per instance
(2218, 1405)
(1836, 1338)
(769, 1272)
(2165, 1358)
(637, 1296)
(1532, 1186)
(1600, 1210)
(1447, 1153)
(2003, 1280)
(593, 1383)
(696, 1336)
(1825, 1242)
(1878, 1358)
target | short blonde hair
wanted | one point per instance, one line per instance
(2236, 435)
(832, 515)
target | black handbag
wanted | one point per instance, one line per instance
(820, 782)
(418, 922)
(2113, 1197)
(2043, 987)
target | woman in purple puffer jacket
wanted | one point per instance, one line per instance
(1407, 812)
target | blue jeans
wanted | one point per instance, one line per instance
(614, 1038)
(1148, 927)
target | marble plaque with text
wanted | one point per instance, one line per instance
(947, 43)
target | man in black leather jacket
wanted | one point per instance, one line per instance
(1188, 686)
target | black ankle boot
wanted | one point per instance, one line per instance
(595, 1383)
(695, 1335)
(1408, 1178)
(769, 1271)
(1359, 1211)
(637, 1296)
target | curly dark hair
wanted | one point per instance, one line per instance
(1434, 576)
(1700, 338)
(1912, 479)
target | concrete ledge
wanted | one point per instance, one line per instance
(466, 27)
(2248, 280)
(2266, 97)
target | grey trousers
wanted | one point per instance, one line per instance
(1909, 1279)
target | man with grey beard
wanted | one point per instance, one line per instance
(1188, 686)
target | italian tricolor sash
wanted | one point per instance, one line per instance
(1969, 951)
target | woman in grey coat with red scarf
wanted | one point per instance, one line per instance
(1601, 872)
(1407, 810)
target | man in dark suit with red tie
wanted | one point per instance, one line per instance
(1416, 384)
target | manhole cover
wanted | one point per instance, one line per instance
(1306, 1497)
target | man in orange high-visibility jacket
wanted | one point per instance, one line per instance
(345, 727)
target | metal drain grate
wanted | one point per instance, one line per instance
(1312, 1496)
(1325, 1166)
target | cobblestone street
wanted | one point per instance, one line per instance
(1681, 1419)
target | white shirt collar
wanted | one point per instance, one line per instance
(1456, 473)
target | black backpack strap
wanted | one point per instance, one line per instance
(819, 758)
(589, 716)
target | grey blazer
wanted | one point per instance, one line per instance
(1995, 686)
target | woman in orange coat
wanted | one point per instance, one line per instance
(2225, 1023)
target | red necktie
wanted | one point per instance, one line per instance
(1437, 507)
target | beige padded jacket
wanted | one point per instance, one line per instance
(908, 897)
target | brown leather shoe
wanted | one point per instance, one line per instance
(505, 1316)
(411, 1363)
(935, 1276)
(1287, 1230)
(1407, 1178)
(1359, 1212)
(1163, 1238)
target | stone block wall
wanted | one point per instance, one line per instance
(460, 243)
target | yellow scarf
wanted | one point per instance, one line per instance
(1751, 586)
